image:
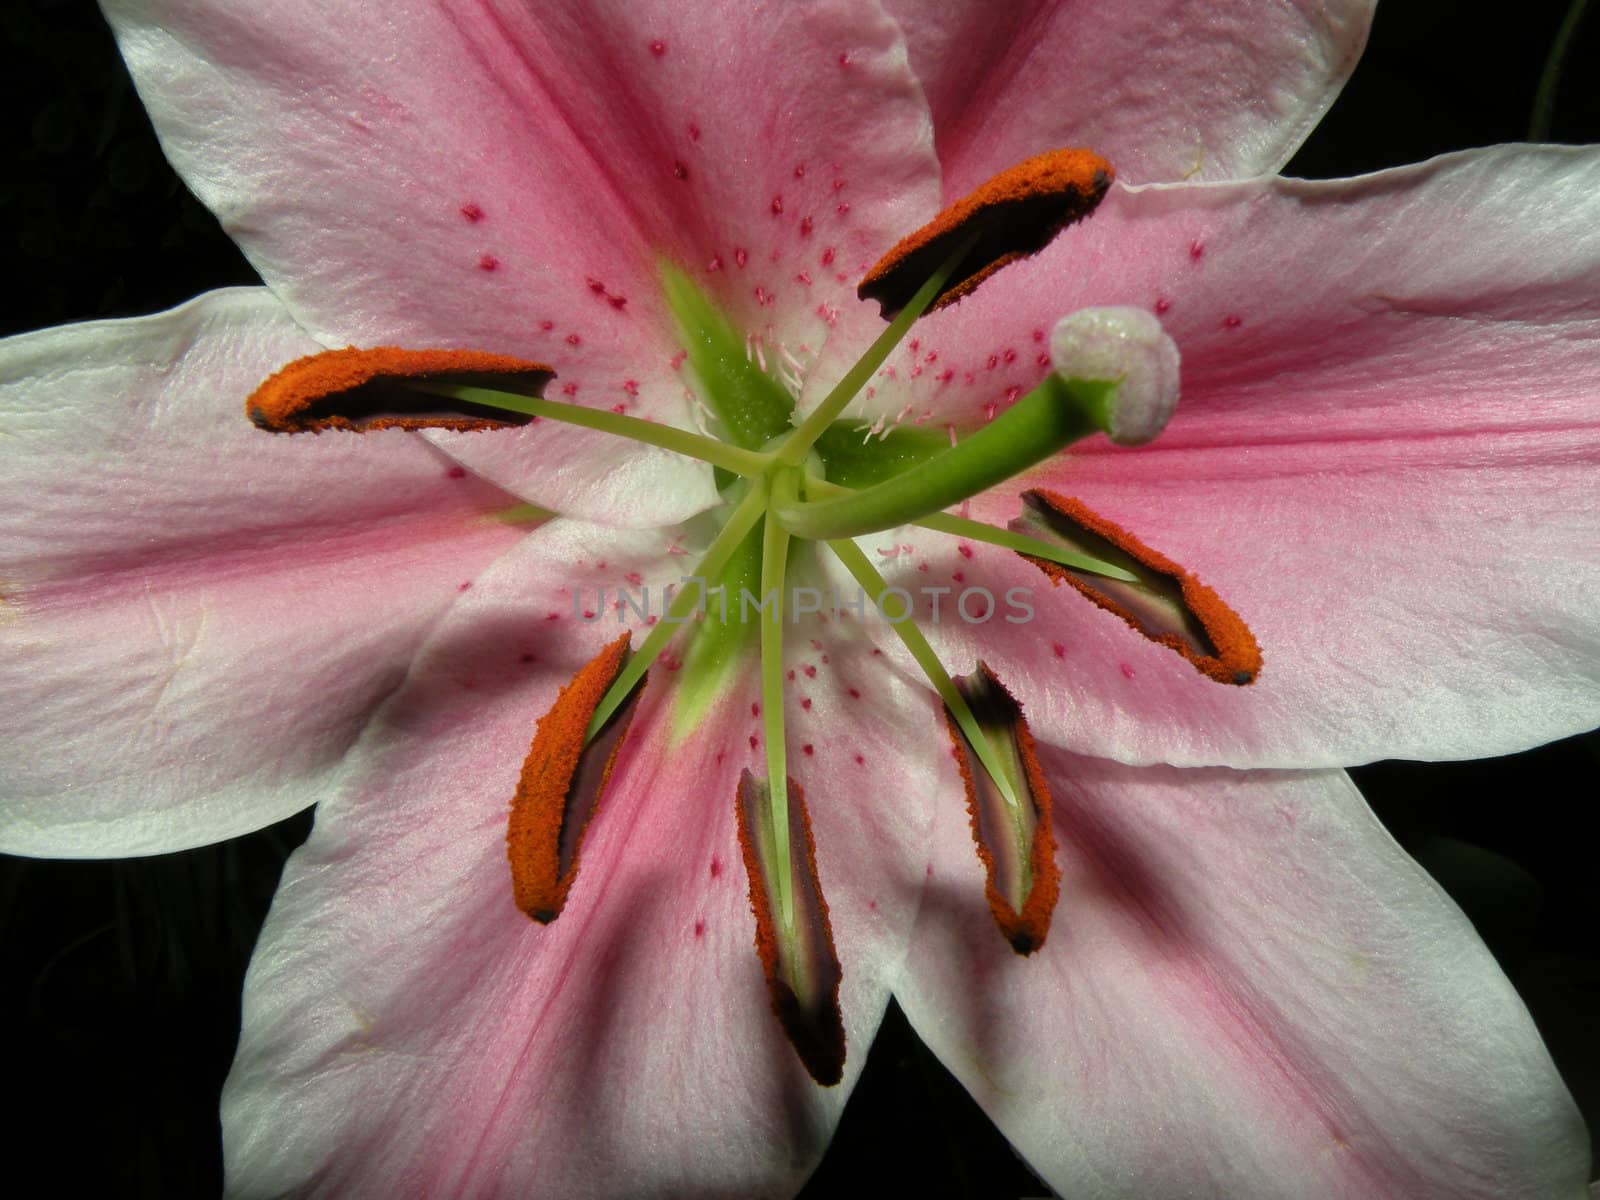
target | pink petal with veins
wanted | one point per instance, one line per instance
(1249, 991)
(198, 617)
(1213, 91)
(366, 187)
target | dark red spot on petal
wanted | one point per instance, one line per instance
(658, 47)
(488, 262)
(457, 472)
(472, 212)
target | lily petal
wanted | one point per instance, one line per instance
(507, 177)
(1214, 91)
(1247, 983)
(1388, 418)
(196, 617)
(398, 997)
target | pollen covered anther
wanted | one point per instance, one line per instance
(800, 962)
(561, 785)
(1013, 215)
(1168, 605)
(1016, 842)
(363, 390)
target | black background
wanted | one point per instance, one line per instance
(119, 981)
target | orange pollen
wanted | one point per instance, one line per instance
(362, 390)
(1210, 634)
(810, 1017)
(561, 785)
(1025, 930)
(1014, 215)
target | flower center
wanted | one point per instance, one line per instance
(810, 486)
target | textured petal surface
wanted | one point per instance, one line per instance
(197, 618)
(1248, 991)
(504, 176)
(409, 1033)
(1166, 89)
(1382, 459)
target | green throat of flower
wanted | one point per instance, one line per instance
(801, 487)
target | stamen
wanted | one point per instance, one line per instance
(722, 548)
(1016, 842)
(979, 532)
(774, 563)
(797, 957)
(562, 781)
(668, 437)
(1168, 605)
(1014, 214)
(848, 553)
(363, 390)
(816, 423)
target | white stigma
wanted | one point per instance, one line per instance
(1129, 346)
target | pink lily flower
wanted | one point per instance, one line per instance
(1387, 410)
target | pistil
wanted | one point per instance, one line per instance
(1055, 414)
